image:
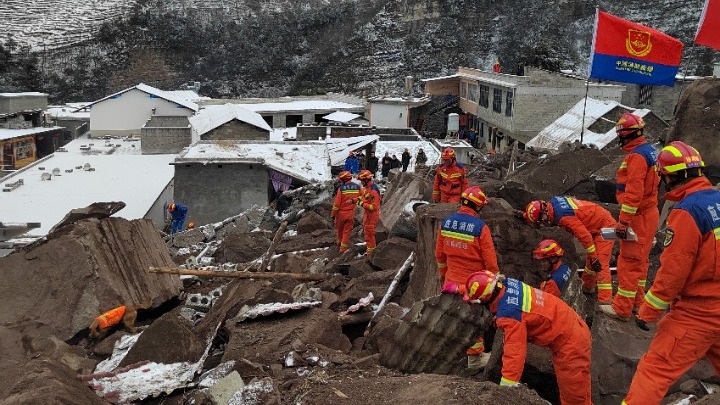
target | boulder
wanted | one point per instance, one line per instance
(243, 247)
(321, 238)
(391, 253)
(187, 238)
(310, 222)
(170, 339)
(697, 121)
(376, 282)
(85, 269)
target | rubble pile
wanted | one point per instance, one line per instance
(279, 338)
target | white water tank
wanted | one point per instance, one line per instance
(453, 122)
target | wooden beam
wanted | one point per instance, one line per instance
(239, 274)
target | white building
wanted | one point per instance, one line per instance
(395, 112)
(124, 113)
(58, 183)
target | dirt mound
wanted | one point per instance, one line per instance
(82, 270)
(381, 386)
(267, 340)
(697, 120)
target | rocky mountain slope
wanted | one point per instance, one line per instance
(268, 48)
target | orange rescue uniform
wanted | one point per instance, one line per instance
(370, 202)
(450, 182)
(464, 246)
(688, 283)
(526, 314)
(584, 220)
(637, 193)
(111, 317)
(343, 212)
(557, 279)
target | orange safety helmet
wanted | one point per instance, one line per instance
(628, 125)
(447, 154)
(191, 225)
(480, 286)
(548, 248)
(171, 207)
(345, 176)
(678, 156)
(534, 210)
(365, 175)
(474, 195)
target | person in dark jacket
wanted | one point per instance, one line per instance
(421, 158)
(386, 165)
(394, 162)
(405, 159)
(372, 163)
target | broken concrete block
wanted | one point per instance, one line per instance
(391, 253)
(310, 222)
(211, 377)
(221, 392)
(199, 302)
(188, 238)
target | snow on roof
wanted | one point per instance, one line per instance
(214, 116)
(452, 143)
(567, 128)
(341, 116)
(397, 148)
(339, 148)
(16, 133)
(302, 105)
(441, 78)
(68, 111)
(187, 95)
(121, 173)
(166, 95)
(278, 134)
(25, 94)
(301, 160)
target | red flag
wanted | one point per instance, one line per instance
(628, 52)
(708, 32)
(496, 67)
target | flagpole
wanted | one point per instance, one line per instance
(582, 125)
(682, 83)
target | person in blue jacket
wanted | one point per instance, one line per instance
(352, 164)
(178, 213)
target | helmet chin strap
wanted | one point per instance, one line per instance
(623, 140)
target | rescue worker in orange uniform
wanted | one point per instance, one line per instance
(549, 254)
(343, 209)
(450, 179)
(584, 220)
(637, 193)
(370, 202)
(526, 314)
(687, 283)
(464, 246)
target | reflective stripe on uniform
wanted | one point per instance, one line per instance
(350, 192)
(628, 209)
(527, 298)
(656, 302)
(478, 346)
(623, 165)
(626, 293)
(604, 286)
(717, 233)
(504, 382)
(589, 272)
(441, 265)
(457, 235)
(455, 175)
(590, 249)
(443, 175)
(641, 283)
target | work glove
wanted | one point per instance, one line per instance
(621, 230)
(450, 287)
(595, 264)
(359, 202)
(642, 324)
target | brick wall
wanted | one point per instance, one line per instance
(164, 140)
(236, 130)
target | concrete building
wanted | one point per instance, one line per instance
(599, 121)
(126, 112)
(288, 112)
(504, 107)
(312, 132)
(230, 122)
(77, 123)
(165, 135)
(28, 101)
(83, 172)
(660, 99)
(396, 112)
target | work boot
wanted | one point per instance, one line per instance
(478, 361)
(609, 311)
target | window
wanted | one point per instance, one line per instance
(463, 90)
(497, 100)
(508, 103)
(645, 95)
(484, 95)
(473, 92)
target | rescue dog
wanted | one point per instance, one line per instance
(127, 314)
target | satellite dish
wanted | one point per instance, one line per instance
(86, 167)
(45, 176)
(56, 171)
